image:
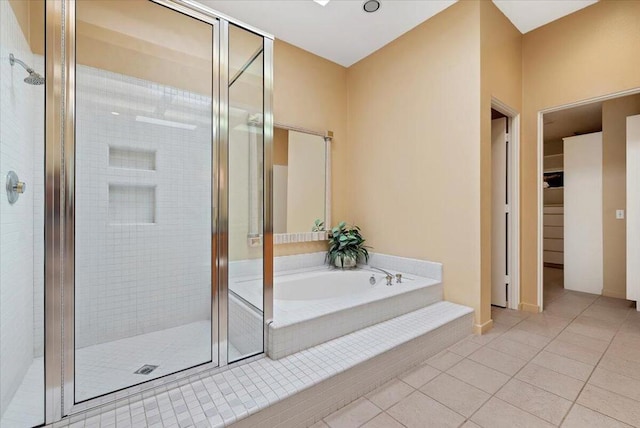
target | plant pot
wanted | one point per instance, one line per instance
(346, 263)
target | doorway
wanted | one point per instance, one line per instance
(582, 234)
(504, 204)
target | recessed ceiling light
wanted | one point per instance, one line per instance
(322, 2)
(115, 113)
(371, 6)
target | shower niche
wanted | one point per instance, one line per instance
(137, 155)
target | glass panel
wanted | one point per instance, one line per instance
(143, 194)
(22, 220)
(246, 71)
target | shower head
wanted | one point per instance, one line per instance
(33, 78)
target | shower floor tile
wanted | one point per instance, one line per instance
(110, 366)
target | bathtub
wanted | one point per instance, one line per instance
(315, 305)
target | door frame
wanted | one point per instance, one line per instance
(540, 172)
(513, 182)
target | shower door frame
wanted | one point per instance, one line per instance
(60, 30)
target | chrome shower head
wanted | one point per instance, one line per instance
(33, 78)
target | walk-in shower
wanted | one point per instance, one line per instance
(146, 154)
(33, 78)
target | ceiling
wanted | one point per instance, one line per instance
(528, 15)
(343, 33)
(574, 121)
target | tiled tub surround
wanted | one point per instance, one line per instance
(314, 304)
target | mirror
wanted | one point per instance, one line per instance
(300, 192)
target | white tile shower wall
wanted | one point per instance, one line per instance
(245, 327)
(142, 276)
(37, 190)
(17, 118)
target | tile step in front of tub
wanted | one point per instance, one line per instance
(299, 389)
(329, 376)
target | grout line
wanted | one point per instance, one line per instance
(530, 362)
(594, 369)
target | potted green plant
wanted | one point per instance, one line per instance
(346, 244)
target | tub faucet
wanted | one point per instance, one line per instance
(388, 275)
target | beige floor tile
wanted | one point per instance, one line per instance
(536, 401)
(625, 349)
(581, 417)
(389, 394)
(497, 360)
(383, 421)
(420, 375)
(564, 365)
(527, 338)
(559, 309)
(629, 330)
(513, 348)
(617, 383)
(549, 320)
(606, 313)
(455, 394)
(499, 414)
(353, 415)
(506, 317)
(584, 341)
(419, 411)
(612, 302)
(591, 327)
(575, 352)
(496, 331)
(611, 404)
(470, 424)
(538, 328)
(549, 380)
(465, 347)
(319, 424)
(444, 360)
(478, 375)
(620, 365)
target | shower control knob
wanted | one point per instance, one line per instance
(20, 187)
(14, 187)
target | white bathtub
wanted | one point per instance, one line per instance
(316, 305)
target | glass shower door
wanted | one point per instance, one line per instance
(246, 194)
(144, 164)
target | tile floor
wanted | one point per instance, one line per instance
(110, 366)
(575, 365)
(553, 284)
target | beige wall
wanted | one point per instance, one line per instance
(311, 92)
(614, 185)
(280, 146)
(30, 15)
(590, 53)
(501, 78)
(414, 133)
